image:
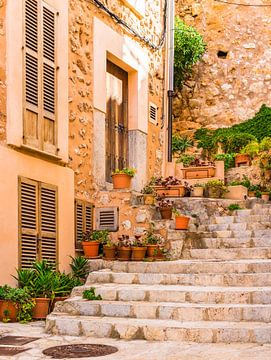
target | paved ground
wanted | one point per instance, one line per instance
(135, 350)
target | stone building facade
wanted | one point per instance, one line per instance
(233, 79)
(53, 115)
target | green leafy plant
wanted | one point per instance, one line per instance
(148, 188)
(186, 159)
(128, 171)
(180, 144)
(252, 149)
(189, 48)
(79, 267)
(228, 160)
(90, 294)
(245, 182)
(265, 144)
(233, 207)
(217, 186)
(96, 235)
(199, 185)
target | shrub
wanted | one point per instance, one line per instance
(265, 144)
(186, 159)
(233, 207)
(252, 149)
(228, 160)
(180, 144)
(90, 295)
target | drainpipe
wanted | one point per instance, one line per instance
(170, 93)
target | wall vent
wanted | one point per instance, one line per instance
(107, 218)
(153, 113)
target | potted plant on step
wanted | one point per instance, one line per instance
(124, 248)
(139, 248)
(153, 242)
(181, 221)
(109, 248)
(149, 192)
(91, 241)
(265, 195)
(122, 178)
(198, 190)
(216, 189)
(165, 207)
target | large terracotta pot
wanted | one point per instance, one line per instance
(166, 213)
(124, 253)
(121, 181)
(109, 252)
(197, 191)
(181, 222)
(242, 159)
(8, 310)
(91, 249)
(138, 252)
(41, 308)
(152, 250)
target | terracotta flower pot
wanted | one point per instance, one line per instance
(91, 248)
(109, 252)
(166, 213)
(41, 308)
(265, 196)
(149, 199)
(8, 310)
(197, 191)
(251, 194)
(242, 159)
(121, 181)
(124, 253)
(152, 250)
(138, 253)
(181, 222)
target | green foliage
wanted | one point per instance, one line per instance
(90, 295)
(233, 207)
(79, 267)
(189, 48)
(245, 182)
(180, 144)
(265, 144)
(252, 149)
(218, 185)
(128, 171)
(186, 159)
(96, 235)
(148, 188)
(228, 160)
(234, 138)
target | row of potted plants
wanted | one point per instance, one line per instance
(39, 287)
(134, 248)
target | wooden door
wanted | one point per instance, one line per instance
(116, 119)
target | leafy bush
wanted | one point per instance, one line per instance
(233, 207)
(90, 295)
(180, 144)
(189, 48)
(228, 160)
(79, 267)
(186, 159)
(265, 144)
(127, 171)
(252, 149)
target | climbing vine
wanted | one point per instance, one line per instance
(189, 48)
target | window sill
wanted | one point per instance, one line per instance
(39, 154)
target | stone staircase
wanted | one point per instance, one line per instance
(219, 292)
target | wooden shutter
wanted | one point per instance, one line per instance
(37, 222)
(107, 218)
(28, 221)
(40, 76)
(48, 223)
(83, 220)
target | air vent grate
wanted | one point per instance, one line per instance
(153, 113)
(107, 219)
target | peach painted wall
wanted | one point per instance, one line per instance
(12, 165)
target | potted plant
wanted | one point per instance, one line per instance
(153, 242)
(165, 207)
(169, 186)
(198, 190)
(124, 248)
(91, 241)
(216, 189)
(265, 195)
(149, 192)
(122, 178)
(109, 249)
(252, 190)
(181, 221)
(139, 248)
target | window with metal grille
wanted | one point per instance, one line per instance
(37, 222)
(40, 76)
(83, 220)
(107, 218)
(153, 113)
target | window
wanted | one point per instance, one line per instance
(107, 218)
(83, 220)
(37, 222)
(40, 76)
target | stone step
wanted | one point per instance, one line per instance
(166, 310)
(218, 243)
(230, 279)
(239, 226)
(160, 330)
(179, 293)
(241, 219)
(184, 266)
(234, 233)
(229, 254)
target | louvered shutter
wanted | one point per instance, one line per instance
(83, 220)
(107, 218)
(48, 223)
(32, 81)
(28, 222)
(49, 78)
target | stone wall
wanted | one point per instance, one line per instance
(2, 71)
(81, 84)
(233, 80)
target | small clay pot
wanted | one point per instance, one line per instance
(197, 191)
(41, 308)
(181, 222)
(265, 196)
(121, 181)
(109, 252)
(124, 253)
(166, 213)
(138, 252)
(152, 250)
(8, 310)
(251, 194)
(91, 249)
